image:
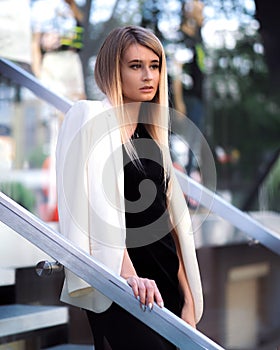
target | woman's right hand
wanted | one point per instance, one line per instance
(146, 291)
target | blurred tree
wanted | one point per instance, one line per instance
(86, 52)
(245, 116)
(268, 17)
(151, 11)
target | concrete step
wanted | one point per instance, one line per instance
(8, 277)
(71, 347)
(18, 318)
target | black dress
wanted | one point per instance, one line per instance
(150, 246)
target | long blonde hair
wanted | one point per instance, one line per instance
(108, 78)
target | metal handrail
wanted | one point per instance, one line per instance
(243, 221)
(23, 78)
(90, 270)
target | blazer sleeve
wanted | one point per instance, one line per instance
(90, 201)
(183, 227)
(72, 191)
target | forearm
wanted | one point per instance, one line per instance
(127, 269)
(188, 310)
(184, 285)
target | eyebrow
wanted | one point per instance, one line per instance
(139, 61)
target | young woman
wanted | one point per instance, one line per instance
(118, 197)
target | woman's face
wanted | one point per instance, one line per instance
(139, 74)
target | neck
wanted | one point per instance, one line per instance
(131, 111)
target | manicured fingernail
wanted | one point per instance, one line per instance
(138, 297)
(143, 307)
(150, 306)
(161, 304)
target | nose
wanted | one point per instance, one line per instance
(147, 74)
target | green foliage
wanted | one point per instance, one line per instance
(20, 194)
(245, 112)
(272, 187)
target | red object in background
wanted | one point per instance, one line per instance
(48, 213)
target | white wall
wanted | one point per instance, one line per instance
(16, 251)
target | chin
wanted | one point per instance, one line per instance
(149, 99)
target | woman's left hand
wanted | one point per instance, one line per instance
(146, 291)
(187, 315)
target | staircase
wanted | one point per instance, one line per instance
(31, 316)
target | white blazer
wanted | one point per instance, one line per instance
(90, 189)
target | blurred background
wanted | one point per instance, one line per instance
(224, 74)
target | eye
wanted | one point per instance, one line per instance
(135, 66)
(155, 66)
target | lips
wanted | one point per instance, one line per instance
(147, 88)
